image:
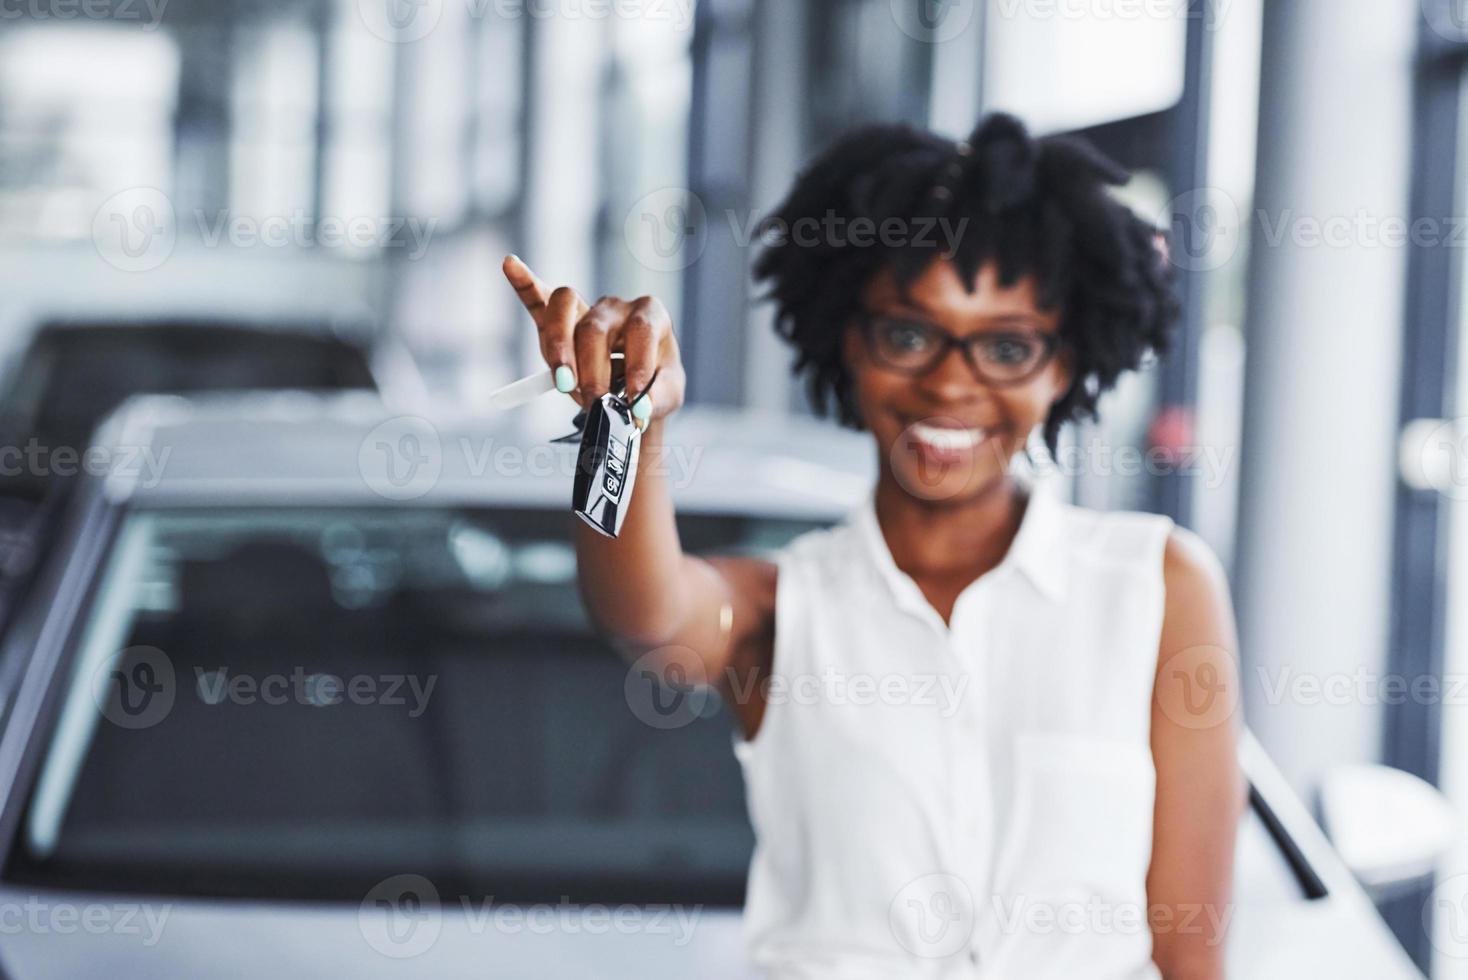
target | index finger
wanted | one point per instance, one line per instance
(532, 292)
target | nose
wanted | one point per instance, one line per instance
(953, 380)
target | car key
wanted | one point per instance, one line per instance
(606, 464)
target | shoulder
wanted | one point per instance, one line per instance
(1198, 618)
(824, 549)
(1114, 536)
(816, 555)
(1190, 567)
(1192, 574)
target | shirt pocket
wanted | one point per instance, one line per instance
(1080, 822)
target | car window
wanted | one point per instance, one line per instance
(72, 376)
(299, 703)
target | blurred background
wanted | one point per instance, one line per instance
(345, 175)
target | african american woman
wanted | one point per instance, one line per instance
(1071, 811)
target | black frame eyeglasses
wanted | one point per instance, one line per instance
(985, 367)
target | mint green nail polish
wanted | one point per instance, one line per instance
(643, 409)
(565, 381)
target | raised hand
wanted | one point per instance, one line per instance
(577, 341)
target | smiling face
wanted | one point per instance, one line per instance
(945, 434)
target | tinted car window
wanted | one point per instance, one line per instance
(72, 376)
(300, 703)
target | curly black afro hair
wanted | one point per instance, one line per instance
(1036, 207)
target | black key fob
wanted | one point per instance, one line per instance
(606, 464)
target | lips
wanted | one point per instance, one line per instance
(940, 443)
(946, 438)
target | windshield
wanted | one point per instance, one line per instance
(72, 376)
(300, 703)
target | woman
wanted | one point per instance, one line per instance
(1067, 807)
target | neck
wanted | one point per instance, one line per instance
(939, 537)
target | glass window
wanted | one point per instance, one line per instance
(1044, 60)
(272, 149)
(85, 110)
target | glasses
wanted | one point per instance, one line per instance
(911, 346)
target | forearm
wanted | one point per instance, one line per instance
(634, 585)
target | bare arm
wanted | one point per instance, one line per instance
(1201, 793)
(640, 588)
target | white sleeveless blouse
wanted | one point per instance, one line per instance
(969, 802)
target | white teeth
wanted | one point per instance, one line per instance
(944, 438)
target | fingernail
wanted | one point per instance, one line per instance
(565, 380)
(643, 408)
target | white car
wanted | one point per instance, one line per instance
(315, 697)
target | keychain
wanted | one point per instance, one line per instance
(609, 434)
(606, 463)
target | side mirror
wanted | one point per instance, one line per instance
(1390, 827)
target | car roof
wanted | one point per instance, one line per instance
(21, 320)
(293, 448)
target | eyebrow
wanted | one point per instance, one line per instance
(1030, 319)
(1002, 319)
